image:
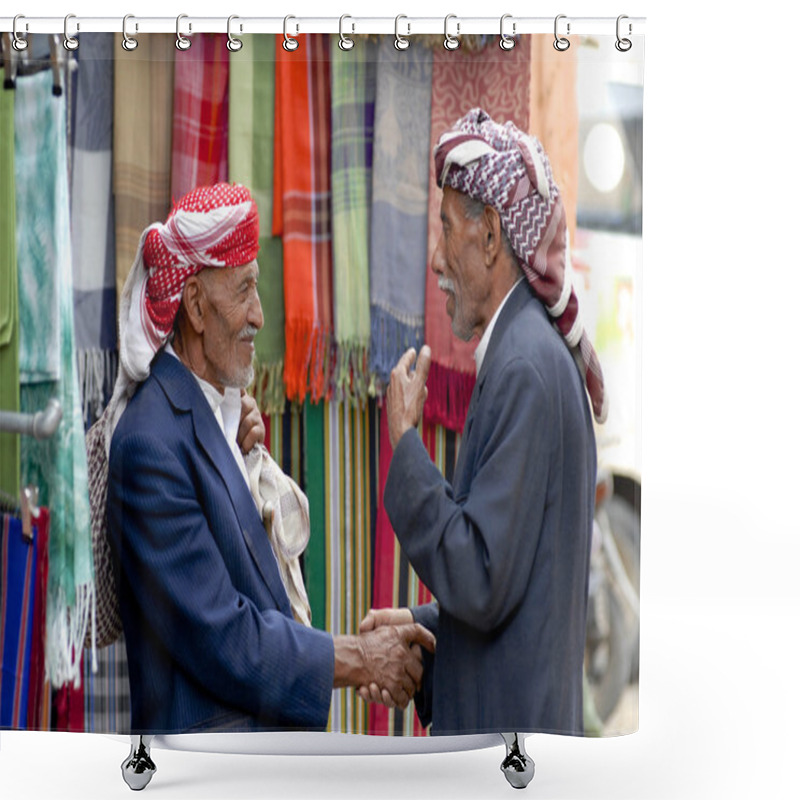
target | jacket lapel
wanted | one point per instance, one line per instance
(184, 393)
(517, 299)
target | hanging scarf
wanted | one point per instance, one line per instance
(352, 124)
(9, 307)
(500, 82)
(349, 459)
(399, 214)
(107, 695)
(316, 491)
(56, 465)
(92, 218)
(251, 142)
(200, 115)
(17, 593)
(395, 584)
(143, 87)
(301, 212)
(39, 688)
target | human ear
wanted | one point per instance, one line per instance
(194, 304)
(492, 240)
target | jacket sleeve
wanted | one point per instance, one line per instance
(428, 616)
(250, 658)
(475, 553)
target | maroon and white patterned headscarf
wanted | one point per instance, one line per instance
(507, 169)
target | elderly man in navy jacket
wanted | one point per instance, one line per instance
(505, 548)
(212, 637)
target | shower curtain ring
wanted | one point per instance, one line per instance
(128, 42)
(345, 43)
(623, 45)
(234, 44)
(400, 42)
(181, 42)
(19, 41)
(506, 41)
(289, 44)
(70, 42)
(561, 44)
(451, 42)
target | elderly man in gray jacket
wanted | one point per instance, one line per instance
(505, 548)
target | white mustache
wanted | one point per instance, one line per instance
(447, 285)
(248, 333)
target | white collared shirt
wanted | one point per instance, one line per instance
(483, 344)
(227, 410)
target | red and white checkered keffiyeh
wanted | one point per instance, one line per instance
(503, 167)
(211, 226)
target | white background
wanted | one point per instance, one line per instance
(719, 708)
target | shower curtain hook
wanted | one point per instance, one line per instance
(400, 42)
(451, 42)
(181, 42)
(623, 45)
(234, 44)
(507, 42)
(70, 42)
(345, 43)
(289, 44)
(128, 42)
(19, 42)
(561, 44)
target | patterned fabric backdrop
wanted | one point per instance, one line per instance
(337, 150)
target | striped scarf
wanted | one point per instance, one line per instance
(92, 222)
(200, 115)
(143, 87)
(399, 210)
(395, 584)
(461, 81)
(302, 212)
(352, 125)
(251, 143)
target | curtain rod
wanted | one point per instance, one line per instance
(348, 25)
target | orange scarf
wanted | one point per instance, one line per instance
(302, 212)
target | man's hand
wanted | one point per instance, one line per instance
(251, 425)
(389, 657)
(376, 618)
(406, 395)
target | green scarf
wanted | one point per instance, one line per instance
(56, 465)
(9, 311)
(353, 80)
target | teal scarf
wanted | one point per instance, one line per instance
(48, 367)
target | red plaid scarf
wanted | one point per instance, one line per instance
(200, 114)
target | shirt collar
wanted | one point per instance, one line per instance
(483, 344)
(226, 407)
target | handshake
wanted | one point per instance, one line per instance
(384, 662)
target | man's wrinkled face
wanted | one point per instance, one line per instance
(458, 262)
(234, 317)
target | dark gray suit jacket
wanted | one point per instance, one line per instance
(505, 549)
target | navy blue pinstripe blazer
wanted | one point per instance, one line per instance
(210, 636)
(505, 549)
